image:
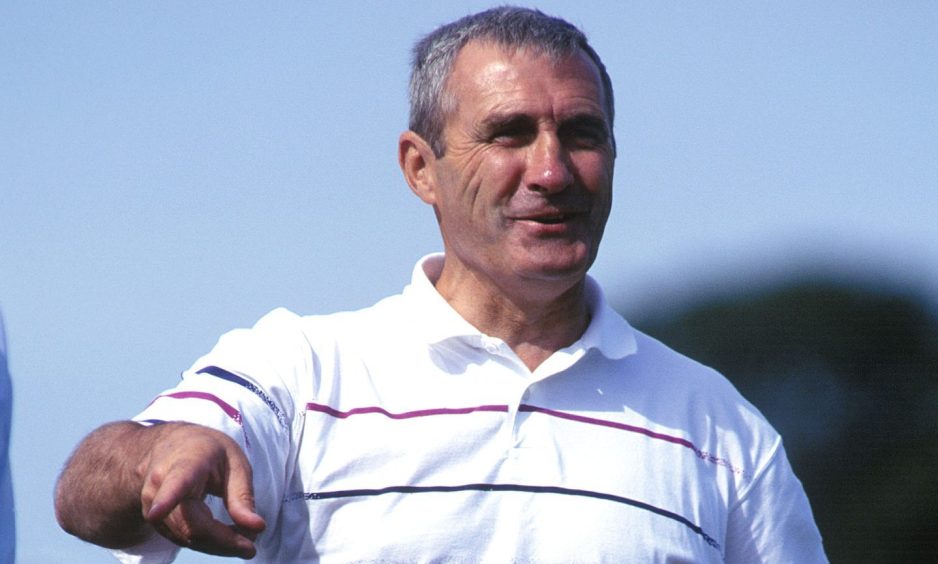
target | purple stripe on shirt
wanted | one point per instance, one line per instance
(226, 407)
(530, 409)
(404, 415)
(235, 379)
(634, 429)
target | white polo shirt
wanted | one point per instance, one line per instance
(400, 433)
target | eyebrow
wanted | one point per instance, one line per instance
(496, 121)
(585, 119)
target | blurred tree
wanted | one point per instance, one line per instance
(849, 375)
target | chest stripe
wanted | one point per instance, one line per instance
(318, 496)
(705, 456)
(634, 429)
(404, 415)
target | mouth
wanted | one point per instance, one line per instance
(553, 219)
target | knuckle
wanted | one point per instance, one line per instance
(246, 499)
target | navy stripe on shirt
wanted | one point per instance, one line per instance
(315, 496)
(234, 378)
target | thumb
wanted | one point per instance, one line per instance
(239, 495)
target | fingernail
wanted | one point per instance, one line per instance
(246, 548)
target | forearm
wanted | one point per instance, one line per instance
(97, 497)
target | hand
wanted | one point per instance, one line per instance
(185, 463)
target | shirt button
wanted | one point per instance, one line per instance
(490, 345)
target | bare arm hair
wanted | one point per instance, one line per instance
(97, 497)
(126, 481)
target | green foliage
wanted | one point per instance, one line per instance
(849, 375)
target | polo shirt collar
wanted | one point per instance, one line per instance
(607, 332)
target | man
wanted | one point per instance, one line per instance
(496, 410)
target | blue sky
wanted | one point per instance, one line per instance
(172, 170)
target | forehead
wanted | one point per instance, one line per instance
(485, 75)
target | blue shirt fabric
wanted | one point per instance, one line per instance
(7, 523)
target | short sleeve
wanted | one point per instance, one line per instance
(155, 550)
(772, 521)
(245, 388)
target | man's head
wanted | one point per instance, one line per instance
(518, 158)
(509, 27)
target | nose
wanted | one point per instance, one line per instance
(548, 168)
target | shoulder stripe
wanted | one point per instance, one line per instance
(234, 378)
(151, 422)
(317, 496)
(229, 410)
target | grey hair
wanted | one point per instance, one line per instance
(508, 26)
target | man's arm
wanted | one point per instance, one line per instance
(125, 480)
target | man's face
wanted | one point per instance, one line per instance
(524, 188)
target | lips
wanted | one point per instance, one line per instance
(549, 218)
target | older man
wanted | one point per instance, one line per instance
(496, 410)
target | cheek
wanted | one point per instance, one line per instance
(595, 173)
(499, 174)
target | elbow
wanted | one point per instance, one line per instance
(90, 505)
(65, 515)
(78, 517)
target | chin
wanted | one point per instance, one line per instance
(554, 270)
(556, 263)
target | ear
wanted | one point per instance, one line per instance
(416, 159)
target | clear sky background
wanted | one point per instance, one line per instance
(172, 170)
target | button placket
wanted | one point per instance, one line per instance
(513, 422)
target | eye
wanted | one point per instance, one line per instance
(514, 135)
(584, 134)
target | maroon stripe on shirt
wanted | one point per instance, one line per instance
(529, 409)
(404, 415)
(634, 429)
(226, 407)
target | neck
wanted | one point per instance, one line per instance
(535, 324)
